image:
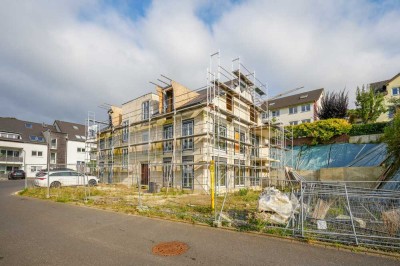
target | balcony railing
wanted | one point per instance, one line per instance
(11, 159)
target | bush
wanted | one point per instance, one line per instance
(367, 129)
(321, 131)
(392, 138)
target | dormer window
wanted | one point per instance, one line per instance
(28, 125)
(169, 101)
(145, 110)
(243, 86)
(36, 138)
(303, 96)
(9, 135)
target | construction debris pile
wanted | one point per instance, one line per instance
(276, 207)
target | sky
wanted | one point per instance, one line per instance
(61, 59)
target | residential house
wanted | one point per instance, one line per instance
(21, 142)
(28, 145)
(173, 136)
(295, 109)
(391, 89)
(75, 145)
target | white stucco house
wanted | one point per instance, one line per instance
(21, 144)
(28, 145)
(295, 109)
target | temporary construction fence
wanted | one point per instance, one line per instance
(336, 155)
(345, 213)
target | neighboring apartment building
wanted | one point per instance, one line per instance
(391, 89)
(23, 145)
(21, 140)
(75, 148)
(295, 109)
(171, 136)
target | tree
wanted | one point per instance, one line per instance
(394, 105)
(392, 137)
(369, 105)
(334, 105)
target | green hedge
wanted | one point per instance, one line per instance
(368, 129)
(321, 131)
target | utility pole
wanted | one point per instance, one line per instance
(48, 163)
(26, 177)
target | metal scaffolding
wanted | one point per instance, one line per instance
(173, 136)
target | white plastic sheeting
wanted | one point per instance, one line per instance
(276, 207)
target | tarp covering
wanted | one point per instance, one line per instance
(393, 185)
(372, 157)
(336, 155)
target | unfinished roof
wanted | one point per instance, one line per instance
(76, 132)
(201, 98)
(29, 132)
(297, 99)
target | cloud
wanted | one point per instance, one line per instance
(60, 59)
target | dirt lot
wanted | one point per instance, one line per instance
(238, 207)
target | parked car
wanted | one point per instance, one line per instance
(16, 174)
(54, 170)
(64, 178)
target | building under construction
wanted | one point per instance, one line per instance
(174, 136)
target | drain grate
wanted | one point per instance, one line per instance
(173, 248)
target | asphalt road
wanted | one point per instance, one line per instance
(37, 232)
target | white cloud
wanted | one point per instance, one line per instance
(59, 59)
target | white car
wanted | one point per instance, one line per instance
(65, 178)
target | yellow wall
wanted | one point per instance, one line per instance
(395, 83)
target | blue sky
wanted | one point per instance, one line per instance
(60, 59)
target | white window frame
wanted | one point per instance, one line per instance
(125, 131)
(168, 179)
(293, 123)
(305, 108)
(168, 133)
(146, 110)
(187, 130)
(220, 131)
(55, 158)
(240, 173)
(53, 145)
(293, 110)
(275, 113)
(35, 168)
(187, 173)
(397, 90)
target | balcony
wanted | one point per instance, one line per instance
(11, 159)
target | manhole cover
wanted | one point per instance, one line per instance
(174, 248)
